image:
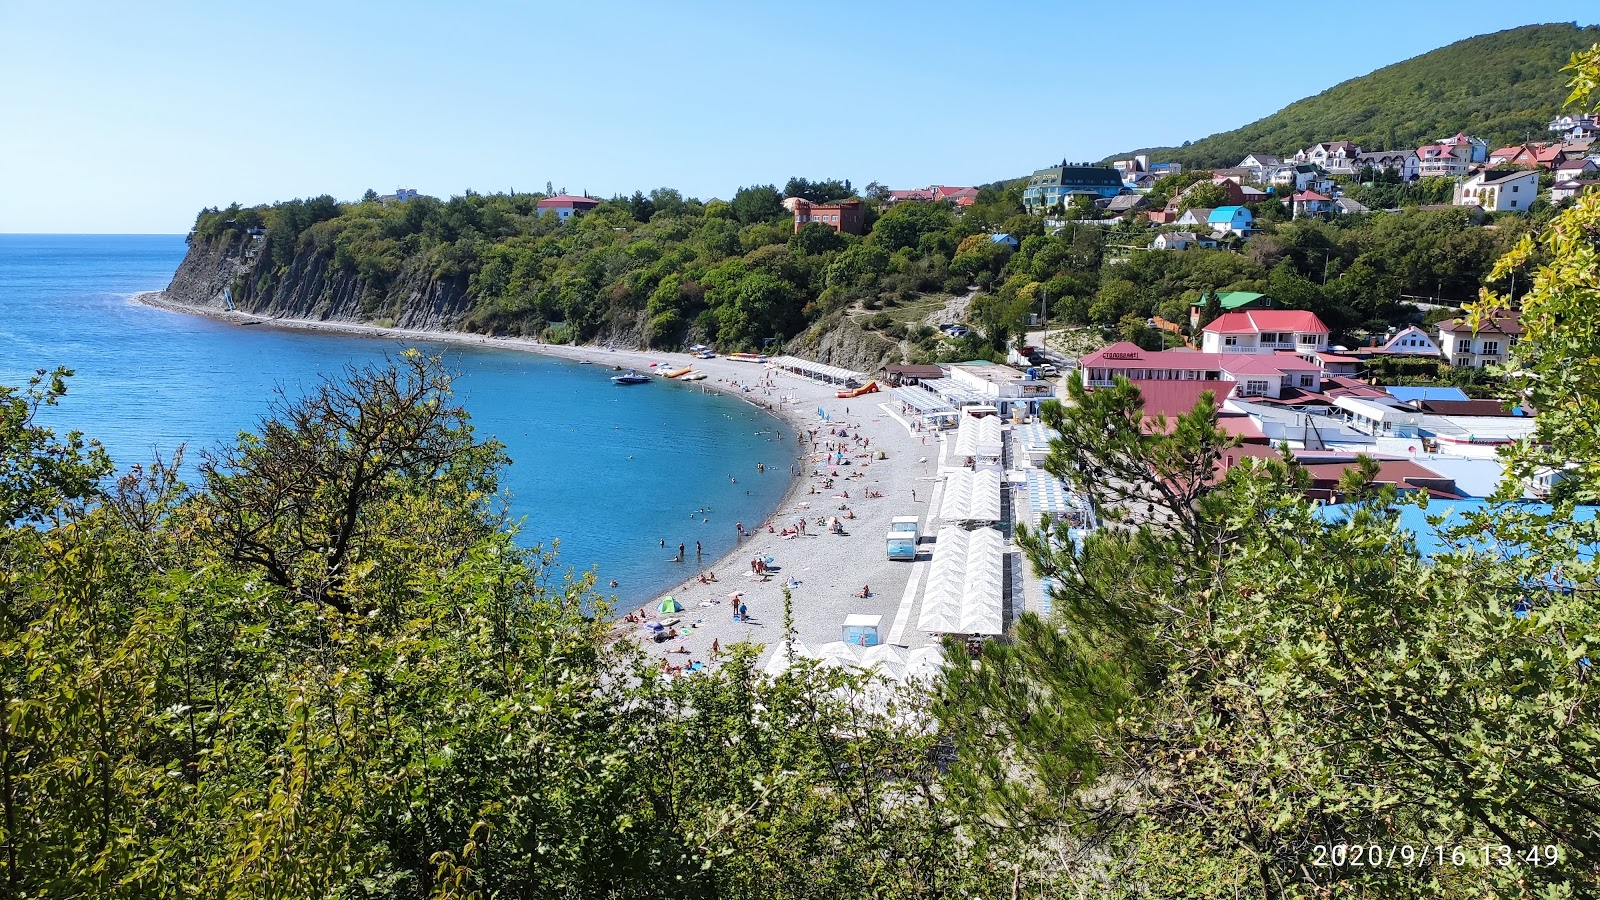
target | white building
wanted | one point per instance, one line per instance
(1489, 345)
(1002, 387)
(1266, 331)
(1500, 191)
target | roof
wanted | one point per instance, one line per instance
(1226, 213)
(567, 200)
(1199, 213)
(1124, 354)
(1234, 299)
(1489, 176)
(1351, 206)
(1255, 321)
(1408, 393)
(1492, 408)
(1174, 398)
(1507, 323)
(1306, 196)
(914, 371)
(1123, 202)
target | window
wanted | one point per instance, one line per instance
(1269, 337)
(1306, 381)
(1464, 345)
(1491, 347)
(1254, 389)
(1230, 340)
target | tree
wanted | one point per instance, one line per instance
(758, 203)
(1203, 195)
(370, 196)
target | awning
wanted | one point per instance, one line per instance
(817, 370)
(887, 660)
(1033, 439)
(964, 593)
(971, 496)
(1047, 496)
(924, 402)
(954, 392)
(978, 437)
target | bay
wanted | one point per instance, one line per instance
(610, 471)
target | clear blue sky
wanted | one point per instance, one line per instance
(130, 117)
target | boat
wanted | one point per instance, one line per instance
(631, 377)
(586, 362)
(706, 354)
(747, 357)
(693, 376)
(677, 372)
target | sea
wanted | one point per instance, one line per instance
(619, 476)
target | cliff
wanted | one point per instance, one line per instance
(310, 287)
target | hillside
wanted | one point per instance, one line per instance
(1497, 86)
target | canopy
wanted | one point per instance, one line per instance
(964, 592)
(1047, 496)
(670, 605)
(954, 392)
(886, 660)
(971, 496)
(833, 374)
(1034, 439)
(978, 437)
(923, 401)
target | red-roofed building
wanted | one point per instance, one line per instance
(955, 194)
(1311, 203)
(1326, 470)
(565, 206)
(1264, 331)
(1450, 160)
(1244, 375)
(844, 216)
(920, 195)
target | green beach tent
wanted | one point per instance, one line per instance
(670, 605)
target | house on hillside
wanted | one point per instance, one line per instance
(1410, 341)
(1310, 203)
(1566, 190)
(1182, 240)
(1231, 301)
(1402, 162)
(1302, 177)
(1049, 187)
(1199, 215)
(1260, 166)
(1443, 160)
(1488, 345)
(1125, 203)
(1266, 331)
(1574, 127)
(1574, 169)
(1347, 207)
(1337, 157)
(1226, 220)
(1499, 190)
(565, 206)
(844, 216)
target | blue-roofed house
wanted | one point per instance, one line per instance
(1231, 220)
(1006, 239)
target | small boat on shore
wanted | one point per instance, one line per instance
(693, 376)
(747, 357)
(630, 377)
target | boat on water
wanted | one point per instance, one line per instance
(693, 376)
(630, 377)
(586, 362)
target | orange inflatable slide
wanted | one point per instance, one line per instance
(870, 387)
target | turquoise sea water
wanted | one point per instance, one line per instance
(610, 470)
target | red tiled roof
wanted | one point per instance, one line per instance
(1123, 355)
(1336, 358)
(1505, 323)
(567, 200)
(1309, 195)
(1255, 321)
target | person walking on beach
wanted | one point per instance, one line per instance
(913, 495)
(744, 612)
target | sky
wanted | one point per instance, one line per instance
(130, 118)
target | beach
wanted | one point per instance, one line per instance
(828, 570)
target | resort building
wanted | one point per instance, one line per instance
(1502, 191)
(1226, 374)
(1408, 341)
(1057, 185)
(1231, 301)
(979, 384)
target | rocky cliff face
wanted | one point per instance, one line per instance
(841, 342)
(310, 287)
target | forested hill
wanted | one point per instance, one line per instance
(1500, 87)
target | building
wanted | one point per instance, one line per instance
(845, 216)
(1337, 157)
(1001, 386)
(1572, 127)
(1443, 160)
(1310, 203)
(1125, 203)
(1402, 162)
(1231, 301)
(1344, 206)
(1059, 184)
(1182, 240)
(565, 206)
(400, 195)
(1301, 177)
(1261, 166)
(1231, 220)
(1499, 190)
(1227, 374)
(1566, 190)
(1489, 345)
(1266, 331)
(1408, 341)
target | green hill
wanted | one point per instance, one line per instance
(1497, 86)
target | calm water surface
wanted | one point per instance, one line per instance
(610, 471)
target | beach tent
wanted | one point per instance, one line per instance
(978, 437)
(889, 661)
(669, 604)
(971, 496)
(965, 592)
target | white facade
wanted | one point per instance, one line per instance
(1410, 341)
(1499, 191)
(1489, 346)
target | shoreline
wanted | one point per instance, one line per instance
(637, 359)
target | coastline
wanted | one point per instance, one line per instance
(793, 401)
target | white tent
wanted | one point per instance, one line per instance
(978, 437)
(971, 496)
(819, 371)
(965, 583)
(887, 660)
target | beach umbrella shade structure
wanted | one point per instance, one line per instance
(669, 605)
